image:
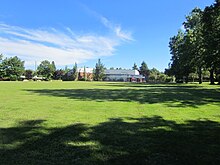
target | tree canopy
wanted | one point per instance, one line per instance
(144, 70)
(46, 69)
(197, 47)
(11, 68)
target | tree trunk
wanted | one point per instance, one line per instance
(219, 80)
(218, 77)
(187, 79)
(200, 75)
(212, 80)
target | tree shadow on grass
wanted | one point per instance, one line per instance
(171, 96)
(147, 140)
(146, 85)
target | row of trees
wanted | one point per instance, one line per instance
(152, 75)
(196, 49)
(13, 68)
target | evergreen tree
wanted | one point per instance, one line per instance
(135, 67)
(84, 73)
(144, 70)
(99, 70)
(75, 72)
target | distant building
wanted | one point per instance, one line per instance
(123, 75)
(87, 71)
(36, 78)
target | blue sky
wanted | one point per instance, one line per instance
(67, 31)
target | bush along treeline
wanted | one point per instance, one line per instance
(152, 75)
(195, 49)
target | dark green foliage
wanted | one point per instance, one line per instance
(144, 70)
(157, 76)
(46, 69)
(211, 34)
(11, 68)
(99, 70)
(135, 67)
(197, 48)
(2, 71)
(70, 74)
(58, 74)
(28, 74)
(53, 66)
(75, 73)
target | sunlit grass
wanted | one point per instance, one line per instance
(111, 123)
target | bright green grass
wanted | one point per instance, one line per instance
(109, 123)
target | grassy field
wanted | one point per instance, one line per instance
(109, 123)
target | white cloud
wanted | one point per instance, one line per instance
(121, 34)
(124, 35)
(64, 48)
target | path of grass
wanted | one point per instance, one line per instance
(109, 123)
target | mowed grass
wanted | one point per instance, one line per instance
(109, 123)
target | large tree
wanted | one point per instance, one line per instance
(175, 45)
(193, 26)
(211, 34)
(11, 68)
(154, 74)
(99, 70)
(187, 48)
(46, 69)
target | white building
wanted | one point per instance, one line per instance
(123, 75)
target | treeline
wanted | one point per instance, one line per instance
(12, 69)
(152, 75)
(195, 50)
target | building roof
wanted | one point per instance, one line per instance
(121, 72)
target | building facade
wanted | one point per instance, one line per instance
(85, 73)
(123, 75)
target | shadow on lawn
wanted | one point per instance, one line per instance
(147, 140)
(181, 96)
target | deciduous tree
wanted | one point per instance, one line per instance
(12, 68)
(46, 69)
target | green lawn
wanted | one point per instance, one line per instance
(109, 123)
